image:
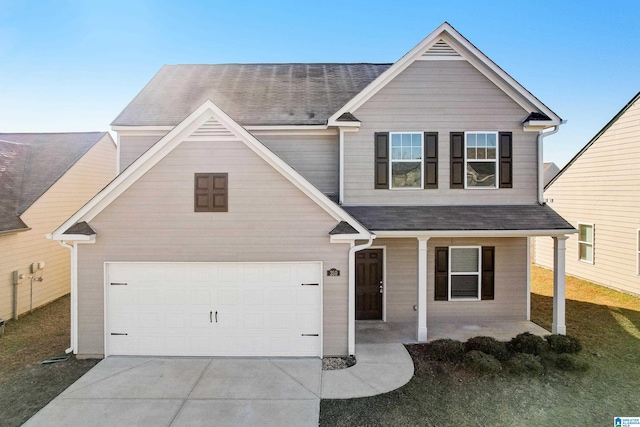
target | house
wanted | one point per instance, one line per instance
(262, 209)
(550, 170)
(44, 179)
(596, 193)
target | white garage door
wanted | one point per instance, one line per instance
(214, 309)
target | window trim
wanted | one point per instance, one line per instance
(592, 243)
(478, 273)
(391, 160)
(637, 251)
(495, 161)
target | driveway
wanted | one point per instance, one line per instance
(136, 391)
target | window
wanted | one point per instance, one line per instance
(464, 272)
(406, 166)
(585, 243)
(638, 251)
(481, 159)
(210, 192)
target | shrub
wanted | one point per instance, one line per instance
(446, 350)
(563, 344)
(523, 363)
(568, 362)
(528, 343)
(481, 363)
(488, 345)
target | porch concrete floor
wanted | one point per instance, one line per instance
(375, 331)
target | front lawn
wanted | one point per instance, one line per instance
(606, 322)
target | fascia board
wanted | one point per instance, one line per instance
(475, 233)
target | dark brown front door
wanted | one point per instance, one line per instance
(369, 284)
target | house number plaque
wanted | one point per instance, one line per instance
(333, 272)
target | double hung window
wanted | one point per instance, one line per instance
(481, 159)
(406, 165)
(585, 243)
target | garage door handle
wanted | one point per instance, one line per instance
(210, 319)
(310, 284)
(309, 335)
(216, 317)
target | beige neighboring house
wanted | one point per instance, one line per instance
(264, 209)
(550, 170)
(598, 192)
(44, 178)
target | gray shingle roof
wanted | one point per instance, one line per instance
(30, 163)
(81, 228)
(343, 228)
(252, 94)
(458, 218)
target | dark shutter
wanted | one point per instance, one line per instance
(488, 275)
(506, 160)
(442, 274)
(457, 160)
(382, 159)
(210, 192)
(430, 160)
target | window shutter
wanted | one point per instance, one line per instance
(442, 274)
(488, 275)
(430, 160)
(382, 160)
(211, 192)
(506, 161)
(201, 196)
(219, 192)
(457, 160)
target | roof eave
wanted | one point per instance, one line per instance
(14, 231)
(474, 233)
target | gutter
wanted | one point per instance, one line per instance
(541, 136)
(352, 292)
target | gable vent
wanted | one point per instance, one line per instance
(211, 128)
(441, 48)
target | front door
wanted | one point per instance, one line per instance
(369, 284)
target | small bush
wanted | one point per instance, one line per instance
(568, 362)
(528, 343)
(524, 364)
(488, 345)
(446, 350)
(481, 363)
(563, 344)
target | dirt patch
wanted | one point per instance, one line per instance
(335, 363)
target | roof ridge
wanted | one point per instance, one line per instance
(282, 63)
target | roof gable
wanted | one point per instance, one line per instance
(30, 163)
(445, 43)
(207, 122)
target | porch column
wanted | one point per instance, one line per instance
(558, 326)
(422, 288)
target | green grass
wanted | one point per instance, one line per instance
(607, 323)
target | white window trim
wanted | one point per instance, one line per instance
(478, 273)
(592, 243)
(495, 161)
(391, 161)
(638, 251)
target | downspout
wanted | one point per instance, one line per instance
(341, 168)
(541, 136)
(352, 292)
(74, 296)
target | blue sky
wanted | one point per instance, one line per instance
(73, 66)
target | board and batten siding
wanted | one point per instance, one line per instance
(601, 188)
(133, 145)
(439, 96)
(315, 157)
(269, 220)
(18, 251)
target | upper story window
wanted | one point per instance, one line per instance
(481, 159)
(211, 192)
(585, 243)
(406, 166)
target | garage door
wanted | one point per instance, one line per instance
(213, 309)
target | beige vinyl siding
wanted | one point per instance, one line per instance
(269, 219)
(315, 157)
(18, 251)
(401, 286)
(443, 97)
(511, 265)
(601, 188)
(134, 145)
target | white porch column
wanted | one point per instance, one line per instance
(558, 326)
(422, 288)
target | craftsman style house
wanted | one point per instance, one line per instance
(596, 193)
(263, 209)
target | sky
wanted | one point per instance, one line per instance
(74, 65)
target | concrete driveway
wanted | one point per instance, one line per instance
(136, 391)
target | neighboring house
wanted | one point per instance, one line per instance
(44, 178)
(598, 193)
(550, 170)
(261, 209)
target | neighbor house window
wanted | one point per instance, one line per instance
(638, 251)
(210, 192)
(406, 160)
(481, 159)
(585, 242)
(464, 272)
